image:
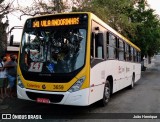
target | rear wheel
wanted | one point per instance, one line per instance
(132, 83)
(106, 94)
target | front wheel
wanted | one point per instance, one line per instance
(106, 94)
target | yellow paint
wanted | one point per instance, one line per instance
(59, 87)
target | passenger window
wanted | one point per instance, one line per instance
(112, 47)
(138, 57)
(132, 54)
(121, 50)
(97, 45)
(127, 52)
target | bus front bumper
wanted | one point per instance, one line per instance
(78, 98)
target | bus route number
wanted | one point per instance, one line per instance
(36, 67)
(60, 87)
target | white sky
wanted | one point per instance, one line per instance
(14, 21)
(155, 4)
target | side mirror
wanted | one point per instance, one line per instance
(99, 39)
(11, 40)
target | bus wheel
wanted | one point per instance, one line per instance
(106, 95)
(132, 83)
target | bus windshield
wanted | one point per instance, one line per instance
(53, 50)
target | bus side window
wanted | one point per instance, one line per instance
(124, 47)
(138, 57)
(131, 54)
(99, 40)
(134, 55)
(127, 52)
(97, 45)
(112, 47)
(107, 45)
(121, 50)
(117, 48)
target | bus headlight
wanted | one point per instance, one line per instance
(77, 85)
(19, 82)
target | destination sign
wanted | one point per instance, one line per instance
(55, 22)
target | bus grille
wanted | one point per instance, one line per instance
(55, 98)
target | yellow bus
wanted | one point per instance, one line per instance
(74, 59)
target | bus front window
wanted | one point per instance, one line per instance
(53, 50)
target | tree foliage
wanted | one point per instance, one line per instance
(132, 19)
(113, 12)
(148, 30)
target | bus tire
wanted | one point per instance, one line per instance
(106, 94)
(132, 83)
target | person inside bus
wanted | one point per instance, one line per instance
(11, 67)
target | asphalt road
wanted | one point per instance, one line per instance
(143, 99)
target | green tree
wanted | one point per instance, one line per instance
(148, 29)
(131, 18)
(113, 12)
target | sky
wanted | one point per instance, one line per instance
(14, 21)
(155, 4)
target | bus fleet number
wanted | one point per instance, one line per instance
(61, 87)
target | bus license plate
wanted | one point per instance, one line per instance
(43, 100)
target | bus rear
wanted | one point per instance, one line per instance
(53, 54)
